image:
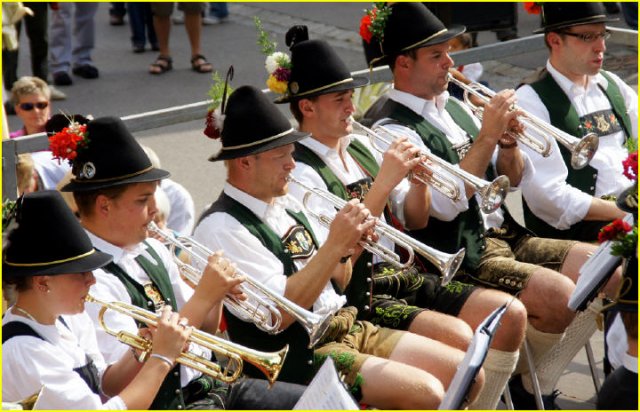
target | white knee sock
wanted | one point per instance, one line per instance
(498, 367)
(539, 344)
(553, 363)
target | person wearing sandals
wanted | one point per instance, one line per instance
(47, 347)
(193, 24)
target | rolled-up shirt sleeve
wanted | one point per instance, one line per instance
(546, 191)
(442, 206)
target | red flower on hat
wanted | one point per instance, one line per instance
(614, 230)
(630, 166)
(365, 25)
(66, 143)
(532, 7)
(374, 21)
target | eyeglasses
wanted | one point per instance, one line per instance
(29, 106)
(589, 37)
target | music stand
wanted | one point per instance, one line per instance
(473, 360)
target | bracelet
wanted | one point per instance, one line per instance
(344, 259)
(507, 145)
(162, 358)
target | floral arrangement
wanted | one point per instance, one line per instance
(374, 21)
(65, 144)
(277, 64)
(215, 115)
(624, 237)
(533, 7)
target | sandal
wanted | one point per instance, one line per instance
(200, 64)
(162, 65)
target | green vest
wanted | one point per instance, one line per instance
(467, 229)
(298, 366)
(564, 116)
(170, 394)
(359, 290)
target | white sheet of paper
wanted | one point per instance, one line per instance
(326, 391)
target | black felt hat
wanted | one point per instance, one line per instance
(253, 124)
(412, 26)
(628, 200)
(626, 299)
(556, 16)
(112, 157)
(315, 68)
(48, 240)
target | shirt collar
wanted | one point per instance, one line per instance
(325, 151)
(117, 252)
(418, 104)
(569, 87)
(630, 362)
(257, 206)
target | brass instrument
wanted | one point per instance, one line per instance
(582, 149)
(263, 312)
(269, 363)
(448, 264)
(26, 404)
(492, 193)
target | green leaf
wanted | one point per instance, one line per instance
(267, 46)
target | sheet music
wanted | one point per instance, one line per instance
(326, 391)
(594, 273)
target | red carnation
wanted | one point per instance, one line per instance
(64, 145)
(211, 131)
(630, 166)
(532, 7)
(614, 230)
(365, 25)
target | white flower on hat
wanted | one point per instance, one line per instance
(276, 60)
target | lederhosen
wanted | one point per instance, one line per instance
(564, 116)
(395, 295)
(467, 229)
(88, 372)
(170, 395)
(299, 365)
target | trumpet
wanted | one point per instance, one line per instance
(447, 264)
(581, 149)
(269, 363)
(492, 193)
(263, 312)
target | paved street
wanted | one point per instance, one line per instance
(125, 88)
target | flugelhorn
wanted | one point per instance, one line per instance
(447, 264)
(269, 363)
(261, 311)
(492, 193)
(582, 149)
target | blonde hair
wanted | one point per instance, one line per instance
(27, 85)
(26, 174)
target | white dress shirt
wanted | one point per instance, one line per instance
(442, 207)
(28, 363)
(546, 192)
(110, 289)
(221, 231)
(182, 216)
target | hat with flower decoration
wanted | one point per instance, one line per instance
(403, 26)
(48, 239)
(253, 124)
(556, 16)
(102, 154)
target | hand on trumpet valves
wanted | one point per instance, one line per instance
(401, 157)
(219, 280)
(170, 335)
(498, 114)
(349, 226)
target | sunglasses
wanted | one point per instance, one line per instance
(29, 106)
(589, 37)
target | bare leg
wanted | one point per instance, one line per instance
(162, 25)
(443, 328)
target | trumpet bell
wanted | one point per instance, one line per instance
(494, 194)
(584, 150)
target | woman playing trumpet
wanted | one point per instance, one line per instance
(46, 341)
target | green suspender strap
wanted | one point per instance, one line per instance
(359, 290)
(564, 116)
(169, 395)
(298, 367)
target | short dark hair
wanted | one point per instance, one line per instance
(19, 284)
(295, 109)
(85, 201)
(413, 53)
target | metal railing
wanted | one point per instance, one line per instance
(195, 111)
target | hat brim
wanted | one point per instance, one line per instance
(288, 138)
(555, 27)
(628, 200)
(88, 263)
(454, 31)
(88, 185)
(357, 82)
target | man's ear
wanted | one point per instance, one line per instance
(402, 61)
(553, 39)
(103, 205)
(306, 107)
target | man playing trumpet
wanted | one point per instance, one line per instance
(345, 164)
(116, 204)
(500, 253)
(264, 232)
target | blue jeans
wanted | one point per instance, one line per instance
(218, 9)
(141, 23)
